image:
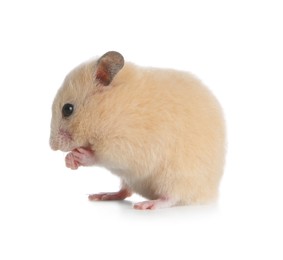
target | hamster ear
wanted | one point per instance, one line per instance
(108, 66)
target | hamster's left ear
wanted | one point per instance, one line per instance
(108, 66)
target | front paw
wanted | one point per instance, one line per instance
(79, 157)
(71, 162)
(84, 157)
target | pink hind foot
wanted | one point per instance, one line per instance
(154, 204)
(120, 195)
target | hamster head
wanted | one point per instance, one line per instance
(70, 111)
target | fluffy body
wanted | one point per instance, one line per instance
(160, 130)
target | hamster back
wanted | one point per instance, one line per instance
(160, 130)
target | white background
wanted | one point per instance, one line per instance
(235, 47)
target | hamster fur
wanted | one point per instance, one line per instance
(160, 130)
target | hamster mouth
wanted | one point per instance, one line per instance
(61, 141)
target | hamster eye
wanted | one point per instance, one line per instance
(67, 110)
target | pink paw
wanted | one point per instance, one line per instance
(71, 162)
(79, 157)
(151, 204)
(120, 195)
(154, 204)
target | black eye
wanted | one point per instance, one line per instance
(67, 110)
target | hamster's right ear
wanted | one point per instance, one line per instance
(108, 66)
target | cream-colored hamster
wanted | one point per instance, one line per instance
(160, 130)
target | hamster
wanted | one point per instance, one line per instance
(160, 130)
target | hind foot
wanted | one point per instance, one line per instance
(155, 204)
(120, 195)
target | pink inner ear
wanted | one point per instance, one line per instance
(103, 76)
